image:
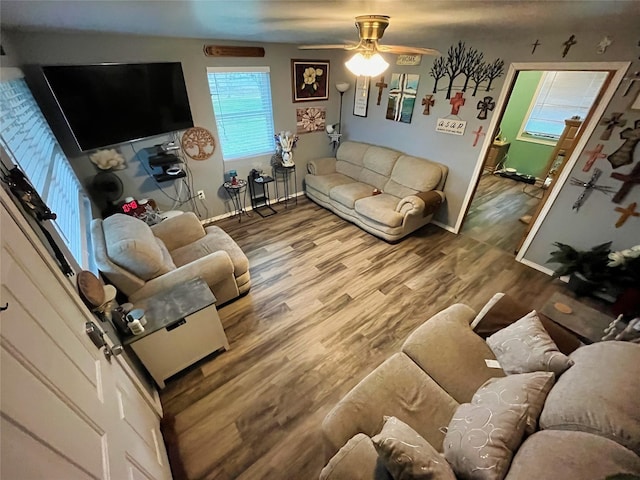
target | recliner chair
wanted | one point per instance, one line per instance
(142, 261)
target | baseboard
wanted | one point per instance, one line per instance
(446, 227)
(207, 221)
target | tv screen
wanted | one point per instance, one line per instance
(108, 104)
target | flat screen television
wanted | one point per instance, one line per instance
(112, 103)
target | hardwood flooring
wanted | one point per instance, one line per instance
(329, 303)
(494, 214)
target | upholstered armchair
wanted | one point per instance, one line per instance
(142, 261)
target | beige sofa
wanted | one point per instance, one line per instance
(590, 424)
(142, 261)
(412, 188)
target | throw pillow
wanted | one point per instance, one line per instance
(407, 455)
(481, 440)
(525, 346)
(526, 388)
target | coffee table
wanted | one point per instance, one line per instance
(586, 322)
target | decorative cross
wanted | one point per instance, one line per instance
(457, 101)
(631, 80)
(381, 86)
(535, 45)
(428, 102)
(478, 133)
(604, 43)
(628, 182)
(630, 211)
(405, 93)
(484, 106)
(624, 154)
(615, 120)
(568, 44)
(588, 187)
(594, 155)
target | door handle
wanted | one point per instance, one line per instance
(97, 337)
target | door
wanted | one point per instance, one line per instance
(66, 412)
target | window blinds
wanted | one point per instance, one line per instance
(244, 116)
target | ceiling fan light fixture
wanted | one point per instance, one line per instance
(370, 65)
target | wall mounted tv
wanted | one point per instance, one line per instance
(112, 103)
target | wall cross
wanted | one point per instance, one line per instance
(428, 102)
(588, 188)
(630, 211)
(535, 45)
(457, 101)
(628, 182)
(624, 154)
(615, 120)
(478, 133)
(594, 155)
(485, 105)
(568, 44)
(381, 86)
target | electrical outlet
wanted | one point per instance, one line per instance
(200, 194)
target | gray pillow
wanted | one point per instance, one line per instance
(525, 388)
(525, 346)
(407, 455)
(480, 440)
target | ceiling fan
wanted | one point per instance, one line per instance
(367, 60)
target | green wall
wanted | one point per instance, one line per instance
(526, 157)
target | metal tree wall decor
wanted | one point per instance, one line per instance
(469, 62)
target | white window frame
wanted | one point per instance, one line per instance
(268, 150)
(72, 202)
(551, 140)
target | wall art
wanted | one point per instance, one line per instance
(588, 188)
(631, 82)
(402, 96)
(628, 182)
(467, 62)
(478, 133)
(626, 213)
(624, 154)
(428, 102)
(409, 59)
(604, 44)
(361, 97)
(484, 105)
(535, 45)
(198, 143)
(451, 126)
(381, 86)
(568, 44)
(310, 80)
(594, 155)
(311, 119)
(456, 102)
(615, 120)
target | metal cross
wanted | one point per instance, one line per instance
(535, 45)
(568, 44)
(381, 86)
(588, 187)
(484, 105)
(428, 102)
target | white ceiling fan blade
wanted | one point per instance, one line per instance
(324, 47)
(399, 49)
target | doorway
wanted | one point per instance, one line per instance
(524, 160)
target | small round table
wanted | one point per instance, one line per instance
(283, 175)
(235, 191)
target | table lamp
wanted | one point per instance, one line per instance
(341, 87)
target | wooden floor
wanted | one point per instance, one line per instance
(328, 304)
(494, 213)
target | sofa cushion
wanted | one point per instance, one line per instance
(372, 178)
(407, 455)
(554, 454)
(502, 310)
(525, 388)
(525, 346)
(380, 208)
(349, 169)
(447, 349)
(352, 152)
(416, 173)
(356, 460)
(397, 387)
(324, 183)
(481, 440)
(348, 193)
(131, 245)
(380, 159)
(599, 394)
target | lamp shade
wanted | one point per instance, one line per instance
(342, 87)
(367, 66)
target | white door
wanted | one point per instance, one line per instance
(66, 412)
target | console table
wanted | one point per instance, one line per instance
(182, 327)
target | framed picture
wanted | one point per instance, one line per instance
(361, 97)
(310, 80)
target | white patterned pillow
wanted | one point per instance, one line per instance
(525, 388)
(525, 346)
(480, 440)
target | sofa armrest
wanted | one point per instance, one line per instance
(422, 202)
(179, 231)
(321, 166)
(213, 268)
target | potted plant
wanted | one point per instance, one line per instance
(587, 269)
(624, 266)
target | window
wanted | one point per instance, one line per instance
(241, 100)
(560, 95)
(30, 144)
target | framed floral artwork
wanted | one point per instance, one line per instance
(310, 119)
(310, 80)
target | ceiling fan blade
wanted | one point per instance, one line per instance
(324, 47)
(399, 49)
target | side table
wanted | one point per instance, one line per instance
(584, 321)
(283, 176)
(259, 194)
(235, 192)
(182, 327)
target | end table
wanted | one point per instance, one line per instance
(283, 176)
(235, 191)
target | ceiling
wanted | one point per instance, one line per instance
(413, 22)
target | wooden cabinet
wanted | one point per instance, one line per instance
(496, 155)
